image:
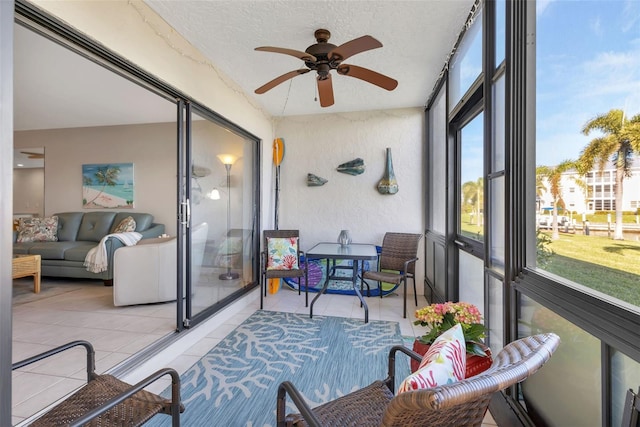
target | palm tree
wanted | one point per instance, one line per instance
(107, 175)
(553, 175)
(472, 195)
(619, 141)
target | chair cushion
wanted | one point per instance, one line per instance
(126, 225)
(444, 363)
(38, 229)
(282, 253)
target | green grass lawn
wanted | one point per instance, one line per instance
(609, 266)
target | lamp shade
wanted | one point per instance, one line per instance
(214, 194)
(227, 159)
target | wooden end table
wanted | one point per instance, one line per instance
(27, 265)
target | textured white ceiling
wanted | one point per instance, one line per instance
(56, 88)
(416, 35)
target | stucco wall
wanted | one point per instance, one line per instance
(318, 144)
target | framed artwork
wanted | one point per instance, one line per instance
(107, 186)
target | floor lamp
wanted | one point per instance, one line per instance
(228, 160)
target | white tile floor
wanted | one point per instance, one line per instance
(40, 326)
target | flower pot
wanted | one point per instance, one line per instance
(475, 364)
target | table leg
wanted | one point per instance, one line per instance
(323, 290)
(355, 288)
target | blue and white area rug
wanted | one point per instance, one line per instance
(236, 383)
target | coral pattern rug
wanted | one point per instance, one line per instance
(236, 383)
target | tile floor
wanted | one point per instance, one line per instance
(88, 313)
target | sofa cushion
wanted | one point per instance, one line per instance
(68, 225)
(143, 220)
(52, 250)
(22, 248)
(79, 251)
(95, 225)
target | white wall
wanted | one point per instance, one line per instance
(28, 191)
(318, 144)
(131, 29)
(153, 156)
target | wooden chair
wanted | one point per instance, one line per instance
(105, 400)
(399, 254)
(266, 273)
(463, 403)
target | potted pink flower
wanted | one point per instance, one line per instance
(441, 317)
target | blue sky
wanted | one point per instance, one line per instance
(588, 62)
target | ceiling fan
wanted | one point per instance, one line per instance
(33, 155)
(323, 57)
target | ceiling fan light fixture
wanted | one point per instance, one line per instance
(323, 57)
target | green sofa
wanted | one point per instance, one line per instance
(78, 232)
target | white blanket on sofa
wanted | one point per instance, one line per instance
(96, 259)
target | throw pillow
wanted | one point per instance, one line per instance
(38, 229)
(444, 363)
(282, 253)
(126, 225)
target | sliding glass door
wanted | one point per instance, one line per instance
(218, 214)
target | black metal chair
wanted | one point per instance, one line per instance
(105, 400)
(267, 273)
(399, 254)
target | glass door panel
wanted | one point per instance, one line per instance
(221, 219)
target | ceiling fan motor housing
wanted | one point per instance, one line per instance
(321, 51)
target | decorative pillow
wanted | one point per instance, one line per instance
(126, 225)
(38, 229)
(282, 253)
(444, 363)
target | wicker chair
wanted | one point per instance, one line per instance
(458, 404)
(631, 412)
(267, 274)
(105, 400)
(399, 254)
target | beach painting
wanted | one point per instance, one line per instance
(108, 185)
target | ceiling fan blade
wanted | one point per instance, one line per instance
(32, 155)
(325, 90)
(350, 48)
(275, 82)
(297, 53)
(368, 76)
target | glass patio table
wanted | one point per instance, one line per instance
(356, 252)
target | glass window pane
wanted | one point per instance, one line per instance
(587, 99)
(466, 64)
(625, 375)
(471, 221)
(438, 163)
(570, 379)
(498, 116)
(222, 200)
(496, 315)
(471, 279)
(501, 30)
(496, 223)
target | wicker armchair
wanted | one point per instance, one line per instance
(399, 254)
(105, 401)
(266, 273)
(631, 412)
(459, 404)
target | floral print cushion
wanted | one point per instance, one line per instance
(444, 363)
(282, 253)
(38, 229)
(126, 225)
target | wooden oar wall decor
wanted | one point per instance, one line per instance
(278, 156)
